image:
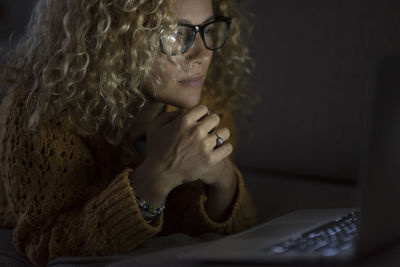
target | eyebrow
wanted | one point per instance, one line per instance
(183, 21)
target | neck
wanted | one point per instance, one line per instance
(147, 114)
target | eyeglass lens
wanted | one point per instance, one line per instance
(215, 34)
(181, 38)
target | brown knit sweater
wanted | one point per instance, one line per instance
(69, 195)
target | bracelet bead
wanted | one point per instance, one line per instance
(149, 212)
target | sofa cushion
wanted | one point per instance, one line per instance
(275, 195)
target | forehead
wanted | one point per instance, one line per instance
(193, 11)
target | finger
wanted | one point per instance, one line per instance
(221, 152)
(211, 139)
(209, 122)
(224, 133)
(166, 117)
(195, 114)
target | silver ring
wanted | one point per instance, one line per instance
(220, 141)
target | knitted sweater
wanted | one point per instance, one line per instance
(67, 194)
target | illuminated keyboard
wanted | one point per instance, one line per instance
(328, 239)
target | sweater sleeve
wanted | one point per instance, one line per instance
(186, 212)
(62, 207)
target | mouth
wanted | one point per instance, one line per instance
(194, 81)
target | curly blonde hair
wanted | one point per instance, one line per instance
(89, 58)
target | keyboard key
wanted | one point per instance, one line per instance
(329, 239)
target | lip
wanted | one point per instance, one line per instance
(194, 81)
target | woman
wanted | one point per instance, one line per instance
(109, 132)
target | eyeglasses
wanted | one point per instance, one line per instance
(180, 39)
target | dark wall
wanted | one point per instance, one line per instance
(13, 18)
(316, 61)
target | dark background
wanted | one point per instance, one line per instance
(14, 15)
(316, 62)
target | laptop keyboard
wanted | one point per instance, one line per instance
(328, 239)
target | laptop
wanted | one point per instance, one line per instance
(334, 235)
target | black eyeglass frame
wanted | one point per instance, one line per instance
(200, 28)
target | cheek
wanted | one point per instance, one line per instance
(167, 70)
(209, 59)
(163, 74)
(168, 79)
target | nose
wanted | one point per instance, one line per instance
(198, 53)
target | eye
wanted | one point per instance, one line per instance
(175, 37)
(209, 30)
(179, 33)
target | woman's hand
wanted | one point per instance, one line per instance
(181, 148)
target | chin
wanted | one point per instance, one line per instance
(186, 103)
(191, 103)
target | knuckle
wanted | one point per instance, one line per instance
(210, 159)
(185, 122)
(204, 108)
(230, 147)
(227, 133)
(204, 147)
(217, 118)
(199, 132)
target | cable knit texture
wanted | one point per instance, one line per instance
(68, 195)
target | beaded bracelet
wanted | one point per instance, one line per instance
(149, 213)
